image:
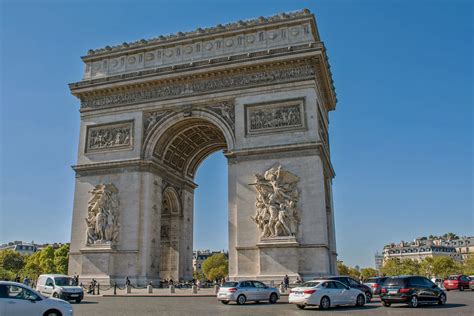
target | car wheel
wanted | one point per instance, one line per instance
(447, 289)
(413, 302)
(368, 296)
(360, 301)
(273, 298)
(52, 312)
(442, 299)
(78, 301)
(461, 288)
(225, 302)
(325, 303)
(241, 299)
(300, 306)
(55, 295)
(386, 304)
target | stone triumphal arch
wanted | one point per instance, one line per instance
(151, 111)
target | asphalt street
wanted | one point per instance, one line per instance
(459, 303)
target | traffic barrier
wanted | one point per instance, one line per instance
(195, 289)
(129, 289)
(150, 289)
(216, 288)
(172, 289)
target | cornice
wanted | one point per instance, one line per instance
(109, 167)
(199, 33)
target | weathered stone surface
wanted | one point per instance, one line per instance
(146, 125)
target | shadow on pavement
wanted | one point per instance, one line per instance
(84, 302)
(430, 306)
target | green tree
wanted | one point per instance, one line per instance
(47, 260)
(342, 269)
(395, 266)
(61, 258)
(6, 274)
(468, 266)
(32, 267)
(198, 275)
(215, 267)
(11, 260)
(368, 273)
(444, 266)
(426, 267)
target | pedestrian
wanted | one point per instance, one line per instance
(286, 281)
(17, 278)
(127, 281)
(26, 281)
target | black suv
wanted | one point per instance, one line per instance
(411, 290)
(350, 282)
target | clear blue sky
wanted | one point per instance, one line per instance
(401, 138)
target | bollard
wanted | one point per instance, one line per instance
(272, 283)
(115, 288)
(150, 289)
(282, 288)
(129, 289)
(216, 288)
(172, 289)
(98, 288)
(195, 289)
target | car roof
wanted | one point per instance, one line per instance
(10, 283)
(54, 275)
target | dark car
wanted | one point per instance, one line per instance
(456, 282)
(375, 284)
(350, 282)
(411, 290)
(471, 282)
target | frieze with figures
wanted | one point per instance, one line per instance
(109, 136)
(299, 71)
(275, 116)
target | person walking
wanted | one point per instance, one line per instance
(127, 281)
(286, 281)
(26, 281)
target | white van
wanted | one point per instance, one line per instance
(59, 286)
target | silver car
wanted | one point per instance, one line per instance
(247, 290)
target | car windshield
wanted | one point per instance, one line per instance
(371, 280)
(453, 277)
(395, 282)
(310, 284)
(63, 281)
(230, 284)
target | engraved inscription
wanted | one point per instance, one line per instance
(110, 136)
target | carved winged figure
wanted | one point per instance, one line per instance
(277, 195)
(102, 214)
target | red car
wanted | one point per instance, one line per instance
(456, 282)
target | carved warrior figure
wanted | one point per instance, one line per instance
(102, 213)
(277, 196)
(274, 118)
(109, 137)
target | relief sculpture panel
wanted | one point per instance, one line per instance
(109, 136)
(277, 198)
(102, 215)
(280, 116)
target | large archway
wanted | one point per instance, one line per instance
(152, 111)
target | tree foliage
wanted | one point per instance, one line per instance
(11, 260)
(215, 267)
(342, 269)
(366, 273)
(468, 267)
(45, 261)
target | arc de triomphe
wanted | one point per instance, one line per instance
(153, 110)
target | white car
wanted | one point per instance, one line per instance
(247, 290)
(59, 286)
(325, 293)
(17, 299)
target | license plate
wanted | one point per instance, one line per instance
(222, 294)
(298, 293)
(74, 295)
(393, 292)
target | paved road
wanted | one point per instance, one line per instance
(459, 303)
